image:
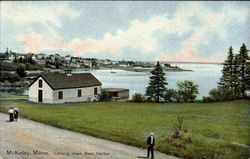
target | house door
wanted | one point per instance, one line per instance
(40, 96)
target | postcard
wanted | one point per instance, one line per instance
(124, 79)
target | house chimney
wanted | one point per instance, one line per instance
(68, 72)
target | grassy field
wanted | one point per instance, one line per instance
(211, 127)
(12, 96)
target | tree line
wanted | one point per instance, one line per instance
(234, 83)
(157, 92)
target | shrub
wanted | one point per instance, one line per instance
(171, 95)
(138, 97)
(178, 127)
(207, 99)
(221, 94)
(181, 137)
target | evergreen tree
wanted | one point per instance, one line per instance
(21, 60)
(157, 83)
(30, 60)
(21, 71)
(226, 81)
(15, 60)
(243, 68)
(248, 74)
(235, 77)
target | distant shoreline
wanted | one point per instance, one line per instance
(25, 83)
(150, 69)
(132, 69)
(197, 63)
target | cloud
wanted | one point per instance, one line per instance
(190, 55)
(139, 35)
(25, 14)
(211, 23)
(19, 18)
(35, 42)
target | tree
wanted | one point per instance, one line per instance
(172, 95)
(188, 90)
(244, 69)
(248, 74)
(235, 78)
(215, 94)
(226, 81)
(221, 94)
(30, 60)
(21, 71)
(21, 60)
(15, 60)
(57, 65)
(157, 83)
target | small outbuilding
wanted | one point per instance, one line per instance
(116, 94)
(65, 87)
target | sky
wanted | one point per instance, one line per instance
(126, 30)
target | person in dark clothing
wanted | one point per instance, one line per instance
(16, 114)
(151, 144)
(11, 113)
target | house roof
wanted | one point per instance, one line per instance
(62, 81)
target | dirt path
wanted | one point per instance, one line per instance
(27, 139)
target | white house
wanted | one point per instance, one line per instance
(67, 58)
(87, 63)
(64, 87)
(41, 56)
(11, 57)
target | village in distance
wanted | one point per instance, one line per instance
(19, 69)
(50, 81)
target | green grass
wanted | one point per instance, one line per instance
(212, 127)
(12, 96)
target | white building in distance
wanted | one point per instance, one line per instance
(61, 88)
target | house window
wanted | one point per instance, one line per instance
(79, 93)
(95, 91)
(60, 95)
(40, 84)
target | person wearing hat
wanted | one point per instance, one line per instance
(11, 113)
(16, 114)
(151, 144)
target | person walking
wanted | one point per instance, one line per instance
(11, 113)
(151, 144)
(16, 114)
